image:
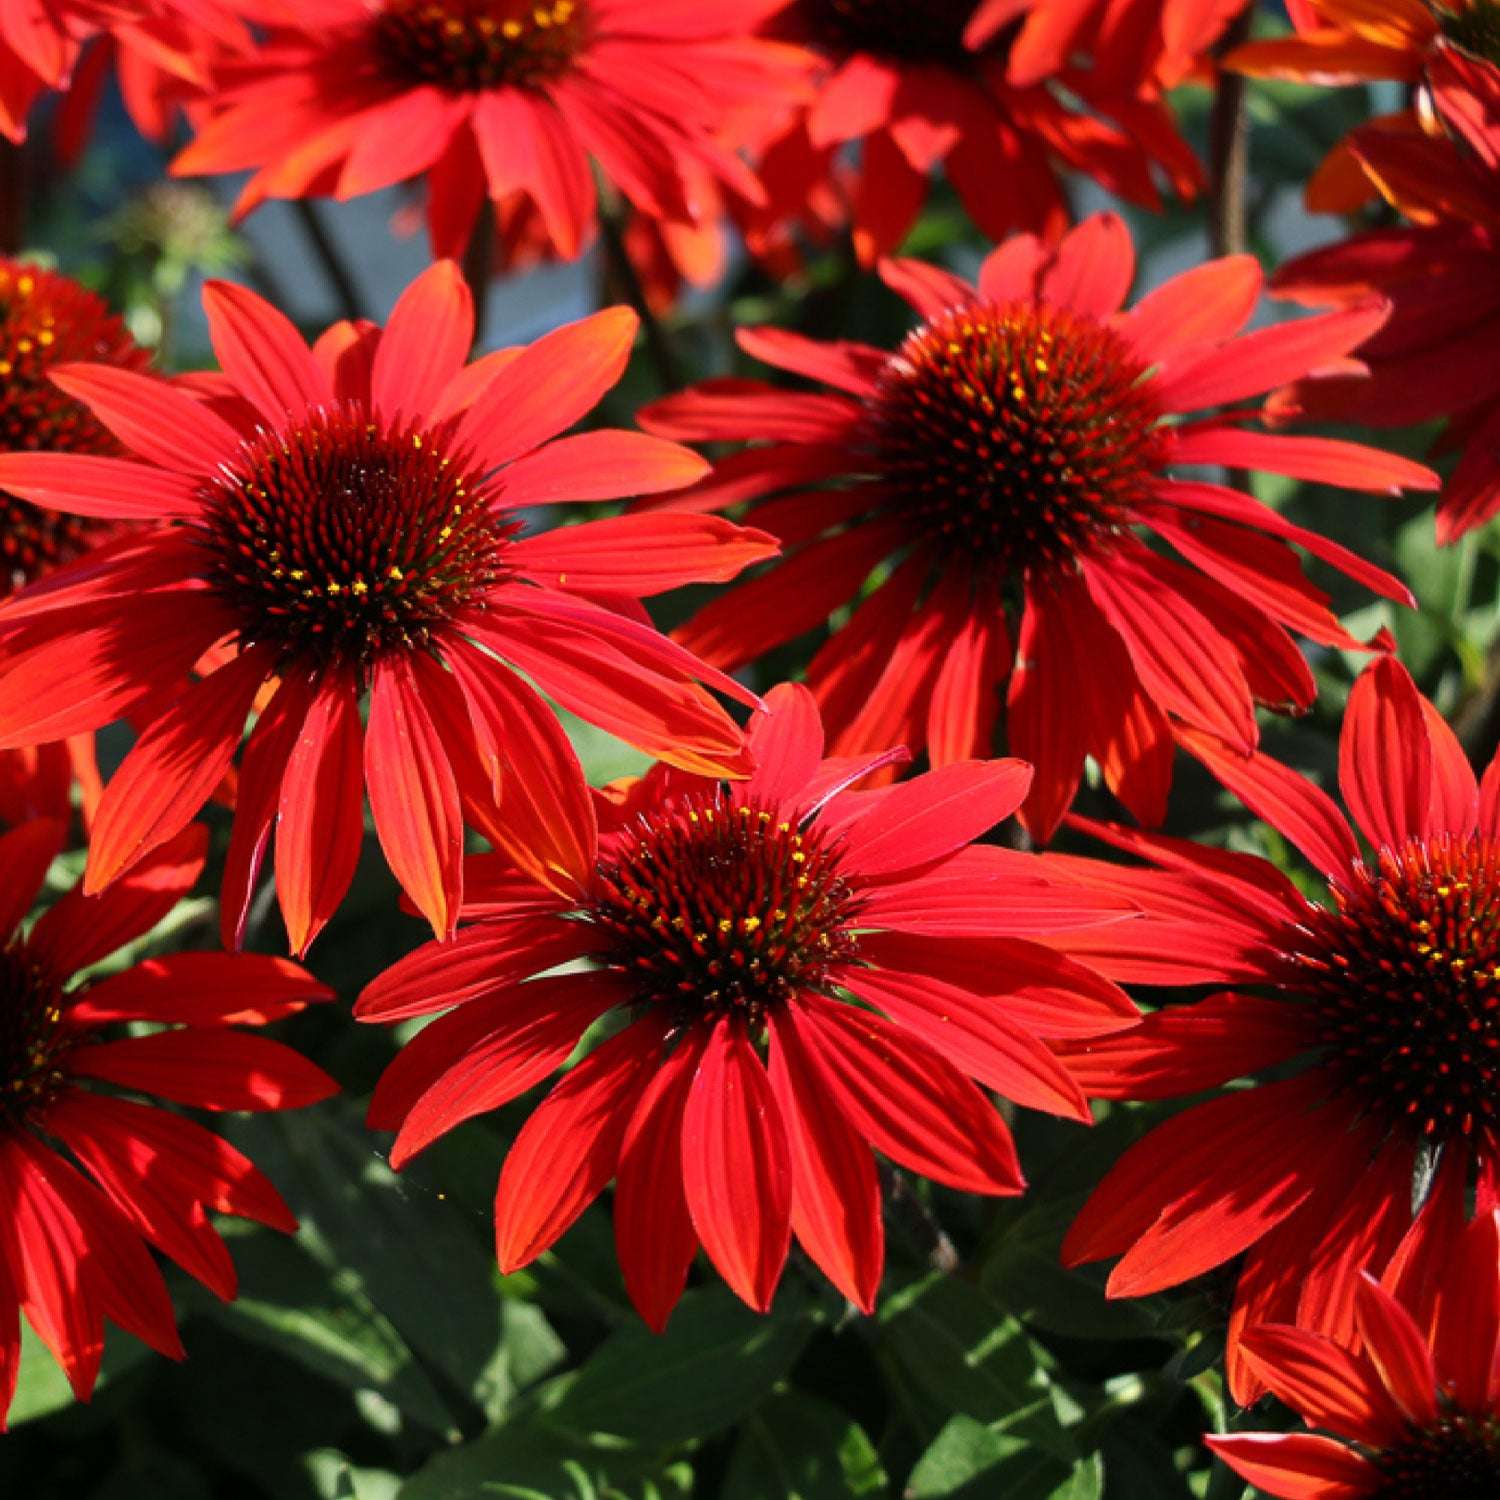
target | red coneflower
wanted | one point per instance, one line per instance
(1415, 1417)
(1433, 359)
(739, 1104)
(920, 86)
(47, 319)
(344, 522)
(90, 1177)
(162, 48)
(1005, 456)
(1377, 1018)
(493, 98)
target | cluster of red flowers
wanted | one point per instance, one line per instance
(335, 572)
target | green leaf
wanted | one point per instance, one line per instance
(796, 1447)
(971, 1460)
(529, 1458)
(43, 1388)
(950, 1348)
(716, 1361)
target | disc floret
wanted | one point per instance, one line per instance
(1404, 971)
(711, 906)
(342, 539)
(471, 45)
(1458, 1458)
(31, 1032)
(1018, 435)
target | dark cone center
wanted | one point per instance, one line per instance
(1458, 1459)
(469, 45)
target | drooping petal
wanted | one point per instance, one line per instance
(835, 1191)
(113, 489)
(736, 1168)
(217, 1069)
(654, 1237)
(321, 812)
(909, 1102)
(174, 767)
(202, 989)
(414, 796)
(569, 1148)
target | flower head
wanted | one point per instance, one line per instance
(1007, 459)
(1376, 1011)
(1432, 359)
(46, 320)
(1415, 1416)
(498, 99)
(163, 52)
(89, 1177)
(728, 928)
(952, 84)
(342, 522)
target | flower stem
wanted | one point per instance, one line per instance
(1228, 151)
(621, 279)
(340, 277)
(14, 184)
(479, 267)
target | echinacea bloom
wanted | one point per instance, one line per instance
(48, 319)
(487, 99)
(738, 1101)
(1343, 42)
(1011, 452)
(162, 49)
(1416, 1416)
(1373, 1011)
(341, 522)
(90, 1177)
(1434, 359)
(905, 83)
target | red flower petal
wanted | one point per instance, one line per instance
(1385, 759)
(424, 344)
(602, 465)
(1205, 305)
(548, 387)
(1093, 269)
(835, 1190)
(1268, 358)
(263, 354)
(1184, 663)
(641, 554)
(321, 821)
(1290, 803)
(975, 1035)
(786, 739)
(112, 488)
(202, 989)
(489, 956)
(568, 1150)
(78, 930)
(736, 1169)
(174, 767)
(930, 289)
(26, 854)
(848, 366)
(1397, 1349)
(257, 794)
(1324, 1384)
(546, 823)
(414, 796)
(211, 1069)
(152, 418)
(923, 819)
(1298, 1466)
(1318, 460)
(908, 1101)
(654, 1236)
(488, 1052)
